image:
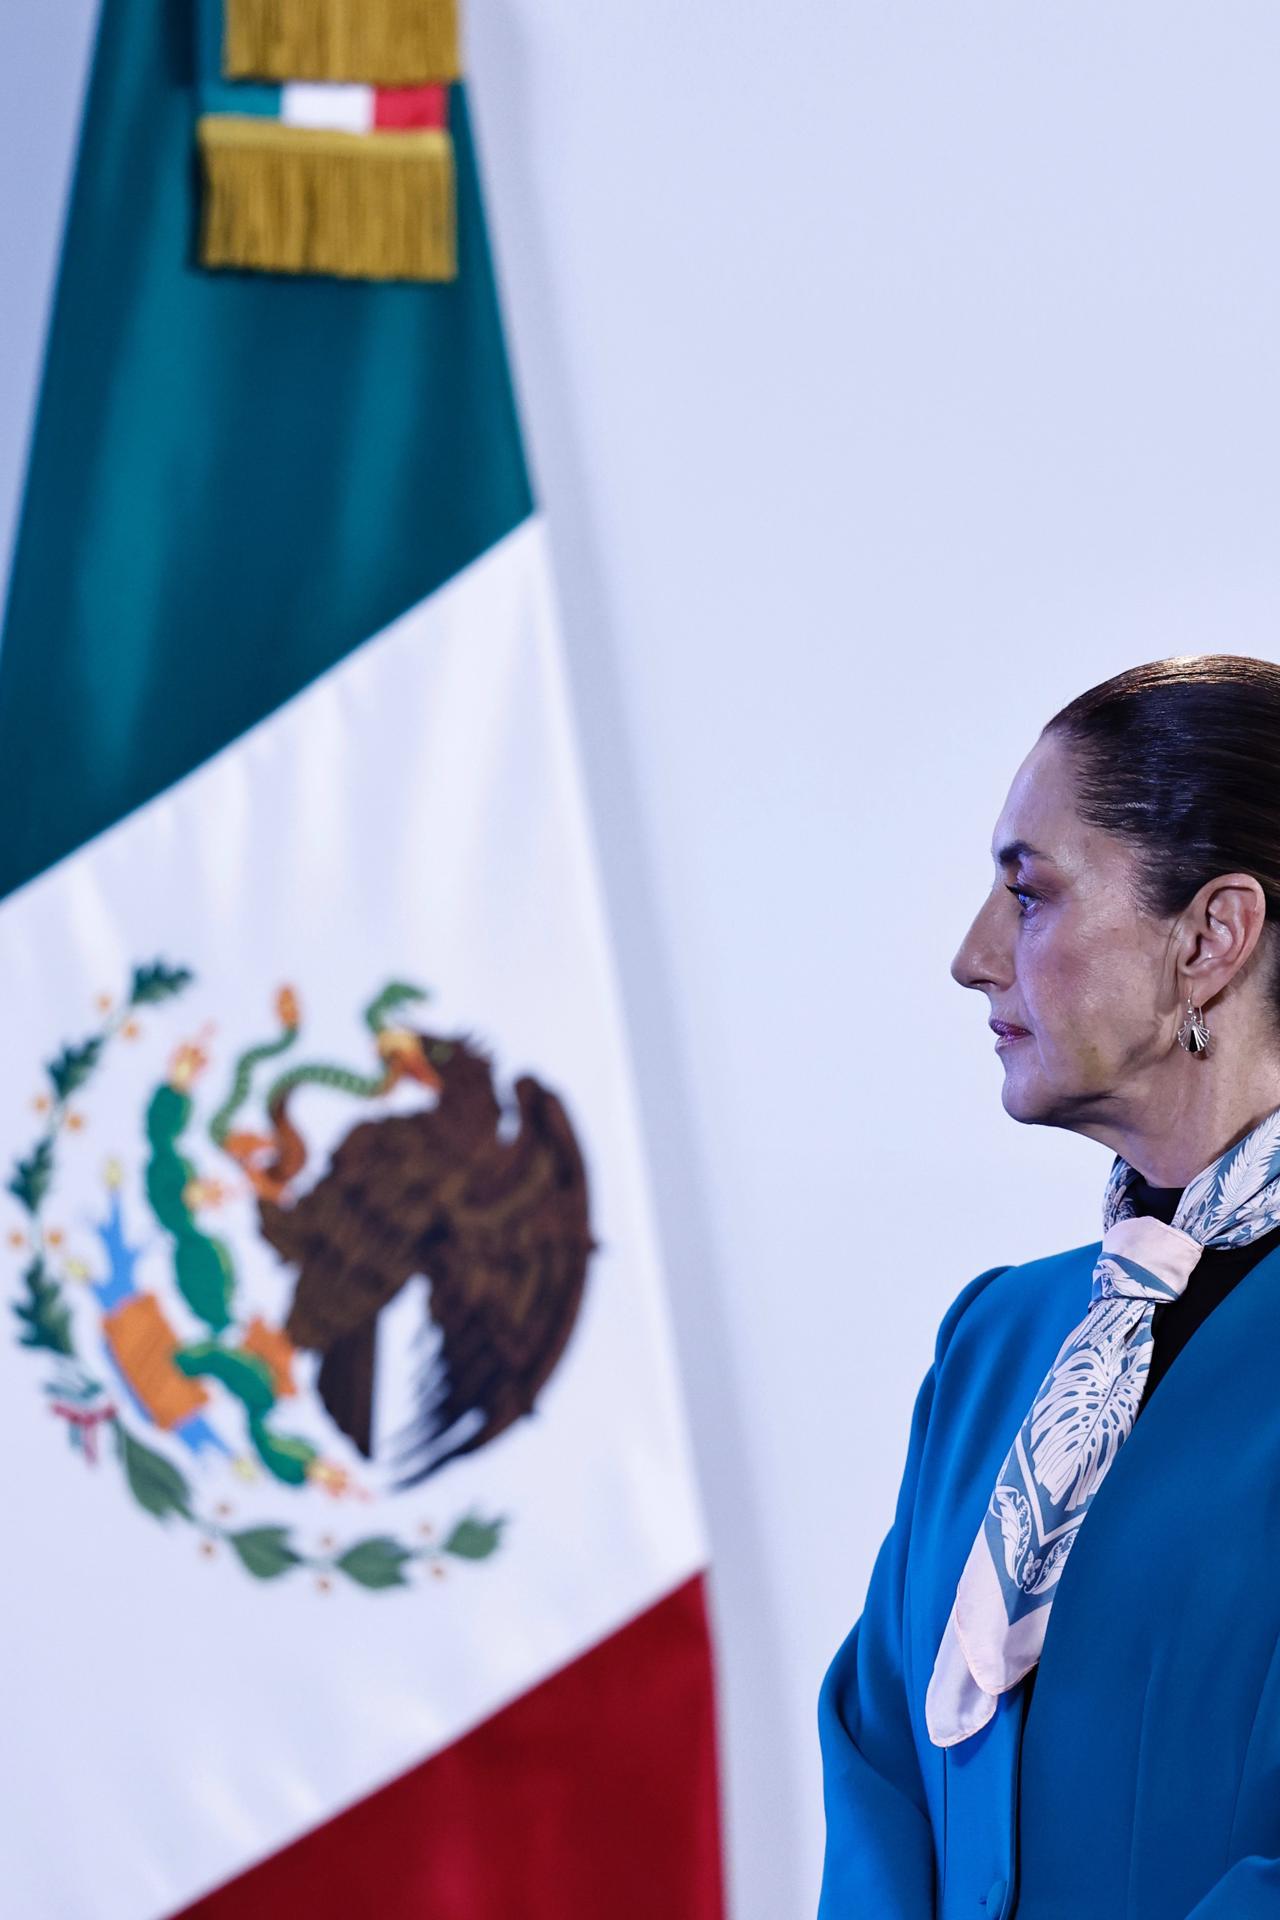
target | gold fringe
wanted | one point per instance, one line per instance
(375, 206)
(383, 42)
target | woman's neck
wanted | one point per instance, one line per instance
(1171, 1141)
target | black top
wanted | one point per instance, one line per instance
(1215, 1273)
(1174, 1321)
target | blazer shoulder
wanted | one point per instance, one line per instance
(1005, 1296)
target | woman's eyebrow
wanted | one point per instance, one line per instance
(1015, 850)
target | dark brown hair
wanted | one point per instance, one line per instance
(1182, 757)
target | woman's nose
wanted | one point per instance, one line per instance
(983, 957)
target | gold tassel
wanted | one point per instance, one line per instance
(382, 42)
(376, 206)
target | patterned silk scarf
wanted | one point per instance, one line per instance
(1078, 1421)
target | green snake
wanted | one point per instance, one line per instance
(320, 1074)
(242, 1081)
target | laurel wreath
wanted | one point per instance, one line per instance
(46, 1323)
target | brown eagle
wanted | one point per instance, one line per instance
(495, 1219)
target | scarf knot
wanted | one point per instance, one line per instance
(1143, 1259)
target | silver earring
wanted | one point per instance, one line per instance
(1194, 1034)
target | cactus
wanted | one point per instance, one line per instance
(202, 1265)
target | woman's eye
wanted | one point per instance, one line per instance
(1020, 894)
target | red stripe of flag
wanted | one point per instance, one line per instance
(594, 1796)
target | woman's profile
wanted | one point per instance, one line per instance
(1062, 1697)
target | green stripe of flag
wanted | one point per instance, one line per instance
(235, 478)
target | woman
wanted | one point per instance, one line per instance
(1065, 1533)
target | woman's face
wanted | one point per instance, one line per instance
(1063, 953)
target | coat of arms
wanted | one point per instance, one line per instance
(223, 1392)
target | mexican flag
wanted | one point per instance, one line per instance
(355, 1565)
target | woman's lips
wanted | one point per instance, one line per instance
(1006, 1033)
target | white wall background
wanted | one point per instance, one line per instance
(892, 372)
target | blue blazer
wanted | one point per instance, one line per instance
(1147, 1786)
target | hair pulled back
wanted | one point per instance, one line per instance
(1182, 758)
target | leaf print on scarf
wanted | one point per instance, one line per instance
(1224, 1188)
(1040, 1575)
(1108, 1278)
(1083, 1415)
(1116, 1204)
(1013, 1510)
(1107, 1328)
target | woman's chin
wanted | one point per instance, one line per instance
(1022, 1094)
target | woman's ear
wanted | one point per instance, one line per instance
(1222, 928)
